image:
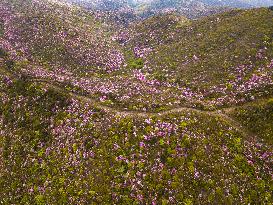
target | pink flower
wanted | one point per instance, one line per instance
(142, 144)
(196, 174)
(30, 190)
(103, 98)
(195, 58)
(250, 162)
(148, 121)
(140, 197)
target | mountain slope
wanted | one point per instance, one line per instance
(57, 35)
(259, 3)
(57, 149)
(229, 3)
(231, 51)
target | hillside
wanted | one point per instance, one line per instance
(219, 60)
(57, 35)
(126, 11)
(123, 12)
(167, 110)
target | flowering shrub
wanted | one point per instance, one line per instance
(57, 38)
(61, 150)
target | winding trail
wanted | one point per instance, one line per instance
(223, 114)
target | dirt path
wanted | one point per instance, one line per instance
(221, 113)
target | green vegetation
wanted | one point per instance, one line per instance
(258, 118)
(155, 30)
(1, 29)
(136, 63)
(2, 53)
(148, 155)
(60, 36)
(220, 43)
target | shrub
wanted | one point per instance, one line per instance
(136, 63)
(1, 29)
(2, 52)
